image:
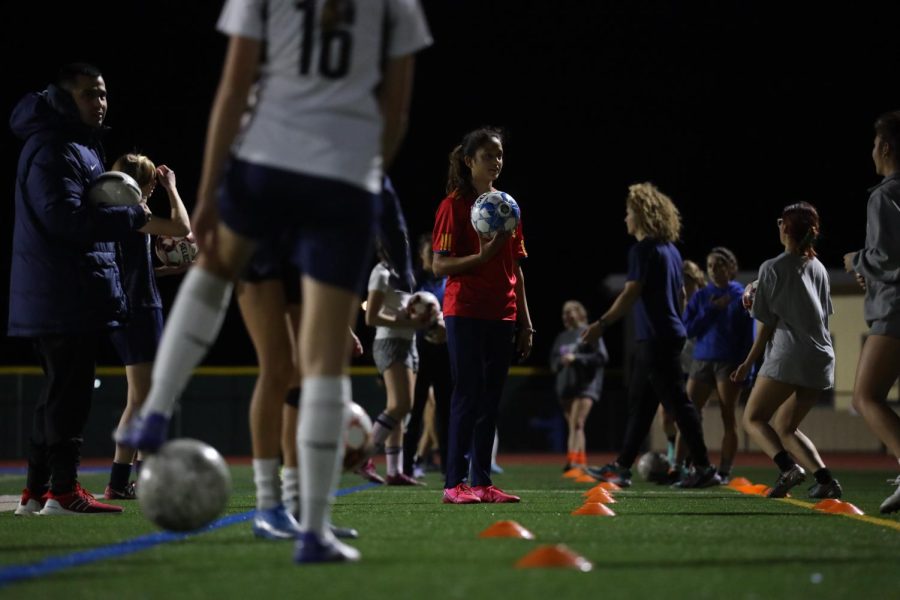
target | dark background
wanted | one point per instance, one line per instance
(732, 108)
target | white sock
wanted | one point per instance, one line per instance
(265, 476)
(384, 425)
(394, 456)
(290, 489)
(191, 328)
(324, 413)
(494, 449)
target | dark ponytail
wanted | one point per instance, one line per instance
(801, 224)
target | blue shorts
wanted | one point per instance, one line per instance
(328, 226)
(136, 342)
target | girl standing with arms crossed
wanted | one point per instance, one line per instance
(483, 302)
(723, 330)
(877, 266)
(792, 305)
(308, 164)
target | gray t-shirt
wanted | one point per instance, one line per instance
(879, 261)
(794, 297)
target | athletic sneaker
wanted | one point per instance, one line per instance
(129, 493)
(77, 502)
(724, 478)
(347, 533)
(368, 471)
(493, 495)
(311, 548)
(146, 434)
(30, 505)
(461, 494)
(275, 523)
(832, 489)
(402, 479)
(892, 502)
(496, 469)
(793, 476)
(612, 473)
(699, 477)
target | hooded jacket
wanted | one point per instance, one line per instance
(64, 278)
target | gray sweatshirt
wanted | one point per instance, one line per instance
(879, 261)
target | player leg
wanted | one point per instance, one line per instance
(581, 408)
(399, 381)
(728, 398)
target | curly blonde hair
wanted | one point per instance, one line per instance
(656, 215)
(692, 271)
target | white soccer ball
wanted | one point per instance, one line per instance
(174, 252)
(184, 486)
(115, 188)
(652, 466)
(358, 444)
(494, 212)
(421, 303)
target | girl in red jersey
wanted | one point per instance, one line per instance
(483, 303)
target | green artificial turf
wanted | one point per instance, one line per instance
(663, 543)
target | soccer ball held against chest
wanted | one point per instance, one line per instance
(494, 212)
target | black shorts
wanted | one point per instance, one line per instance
(136, 342)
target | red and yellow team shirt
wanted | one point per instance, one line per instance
(487, 291)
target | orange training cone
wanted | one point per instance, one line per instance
(594, 509)
(844, 508)
(602, 497)
(509, 529)
(738, 482)
(558, 556)
(585, 478)
(609, 486)
(573, 473)
(826, 504)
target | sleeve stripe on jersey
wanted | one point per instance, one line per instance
(444, 242)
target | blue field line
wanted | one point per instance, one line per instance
(51, 565)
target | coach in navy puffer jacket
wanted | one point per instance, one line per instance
(64, 277)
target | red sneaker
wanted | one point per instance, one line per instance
(489, 493)
(77, 502)
(461, 494)
(129, 493)
(402, 479)
(30, 505)
(368, 471)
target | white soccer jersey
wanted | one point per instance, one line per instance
(394, 303)
(316, 110)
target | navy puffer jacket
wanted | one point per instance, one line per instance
(64, 277)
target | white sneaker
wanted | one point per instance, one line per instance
(892, 502)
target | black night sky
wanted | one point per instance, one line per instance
(733, 108)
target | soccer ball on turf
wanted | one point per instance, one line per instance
(115, 188)
(494, 212)
(652, 466)
(358, 446)
(749, 294)
(184, 486)
(174, 252)
(421, 303)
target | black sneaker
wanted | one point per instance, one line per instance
(699, 477)
(612, 473)
(793, 476)
(892, 502)
(832, 489)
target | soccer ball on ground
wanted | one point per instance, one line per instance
(749, 294)
(652, 466)
(115, 188)
(174, 252)
(494, 212)
(358, 446)
(421, 303)
(184, 486)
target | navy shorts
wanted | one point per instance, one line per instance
(136, 342)
(270, 262)
(328, 226)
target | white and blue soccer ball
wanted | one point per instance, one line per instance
(494, 212)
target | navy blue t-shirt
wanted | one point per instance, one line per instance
(138, 278)
(657, 266)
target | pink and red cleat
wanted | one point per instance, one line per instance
(488, 494)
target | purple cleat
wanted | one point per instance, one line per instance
(144, 433)
(311, 548)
